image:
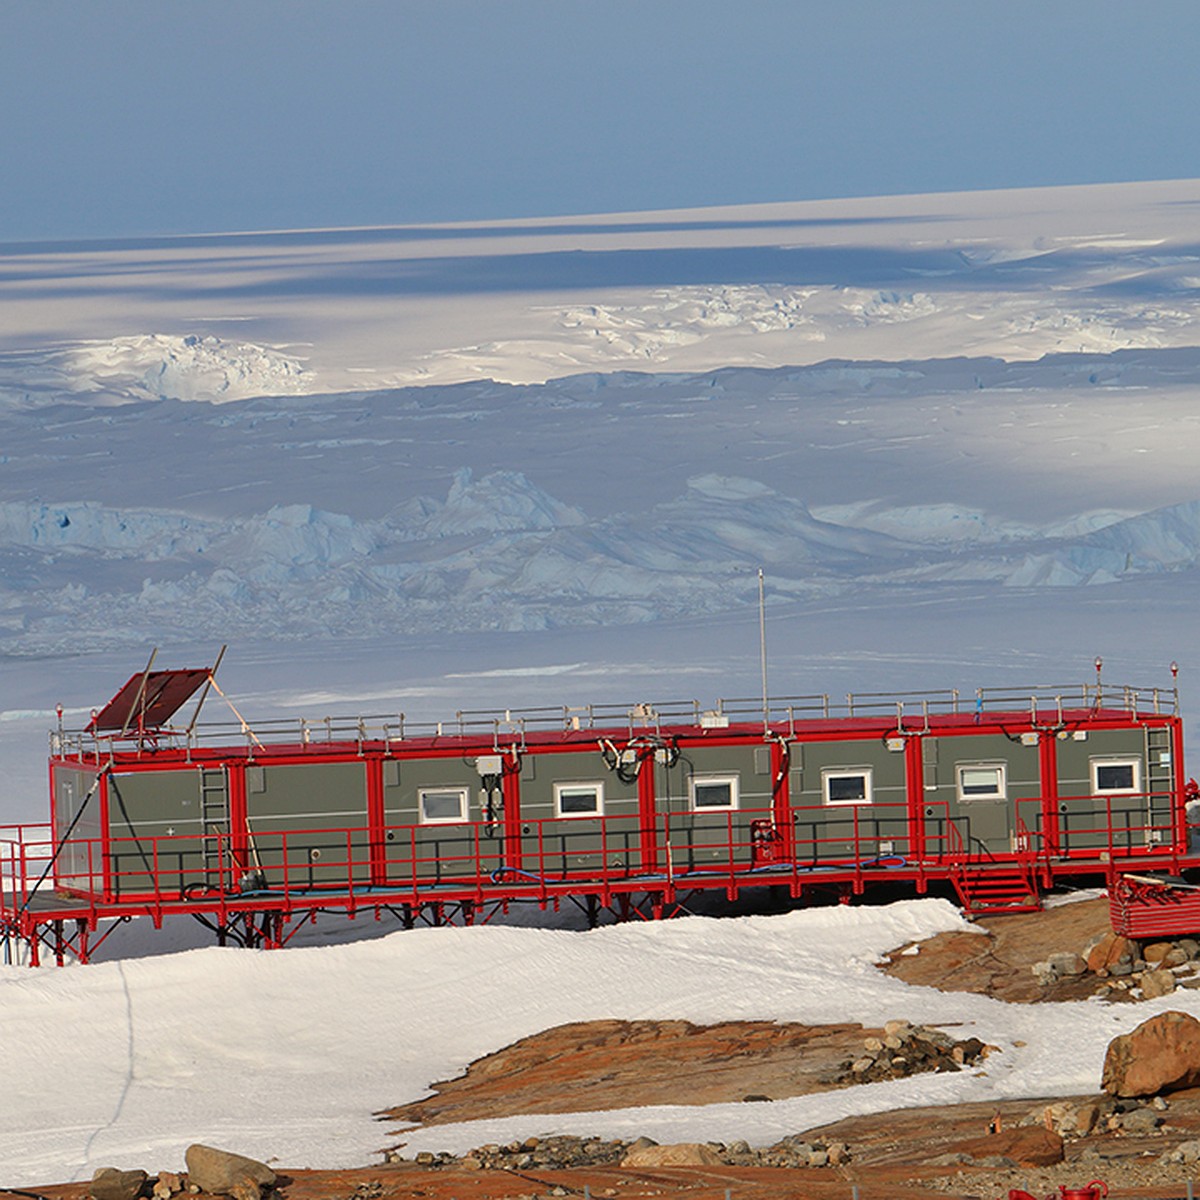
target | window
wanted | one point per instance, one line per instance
(439, 805)
(982, 781)
(578, 799)
(846, 785)
(1116, 775)
(709, 793)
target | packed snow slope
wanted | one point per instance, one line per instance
(129, 1062)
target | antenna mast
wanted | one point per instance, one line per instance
(762, 648)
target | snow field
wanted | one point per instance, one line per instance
(1015, 274)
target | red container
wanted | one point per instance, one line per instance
(1096, 1190)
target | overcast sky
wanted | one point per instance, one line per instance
(142, 116)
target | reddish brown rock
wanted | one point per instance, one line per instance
(1027, 1146)
(1110, 949)
(1160, 1055)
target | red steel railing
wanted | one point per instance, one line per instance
(356, 867)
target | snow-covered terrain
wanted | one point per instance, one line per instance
(128, 1062)
(425, 469)
(1015, 274)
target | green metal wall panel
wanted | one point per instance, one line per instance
(721, 837)
(1085, 819)
(553, 846)
(297, 817)
(80, 866)
(156, 831)
(985, 825)
(433, 852)
(853, 831)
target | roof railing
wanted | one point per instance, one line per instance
(910, 710)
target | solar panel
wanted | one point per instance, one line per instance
(148, 701)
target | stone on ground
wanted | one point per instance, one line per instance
(226, 1173)
(1160, 1055)
(1106, 951)
(110, 1184)
(682, 1154)
(1157, 983)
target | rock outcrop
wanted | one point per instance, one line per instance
(564, 1152)
(227, 1174)
(1160, 1055)
(682, 1154)
(906, 1050)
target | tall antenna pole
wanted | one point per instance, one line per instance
(762, 647)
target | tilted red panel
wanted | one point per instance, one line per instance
(151, 707)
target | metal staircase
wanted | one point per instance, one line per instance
(990, 891)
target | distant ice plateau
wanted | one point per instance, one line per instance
(596, 421)
(153, 366)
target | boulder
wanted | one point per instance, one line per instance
(167, 1184)
(682, 1154)
(1140, 1121)
(110, 1184)
(1160, 1055)
(1107, 951)
(1157, 983)
(1067, 963)
(226, 1173)
(1084, 1119)
(1044, 973)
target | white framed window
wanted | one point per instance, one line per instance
(982, 781)
(1116, 776)
(846, 785)
(441, 805)
(712, 793)
(579, 799)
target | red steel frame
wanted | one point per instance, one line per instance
(42, 905)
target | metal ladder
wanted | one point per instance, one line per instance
(1160, 778)
(214, 818)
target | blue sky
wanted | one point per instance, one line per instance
(137, 116)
